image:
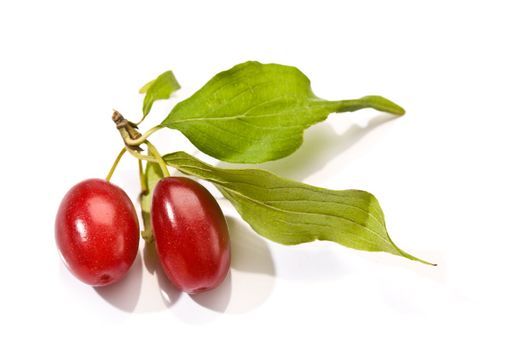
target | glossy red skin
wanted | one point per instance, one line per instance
(191, 234)
(97, 232)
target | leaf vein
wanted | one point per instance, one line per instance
(307, 213)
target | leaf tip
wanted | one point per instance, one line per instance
(404, 254)
(383, 104)
(400, 111)
(146, 87)
(411, 257)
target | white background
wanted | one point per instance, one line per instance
(448, 174)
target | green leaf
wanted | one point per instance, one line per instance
(160, 88)
(152, 175)
(291, 212)
(257, 112)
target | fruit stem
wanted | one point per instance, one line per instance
(127, 130)
(143, 186)
(142, 139)
(157, 155)
(115, 163)
(138, 155)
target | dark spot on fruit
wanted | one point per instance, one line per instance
(104, 278)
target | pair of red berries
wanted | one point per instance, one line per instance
(97, 233)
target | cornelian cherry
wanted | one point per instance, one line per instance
(97, 232)
(191, 234)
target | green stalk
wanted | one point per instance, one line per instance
(115, 163)
(158, 157)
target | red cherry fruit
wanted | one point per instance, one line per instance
(97, 232)
(191, 234)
